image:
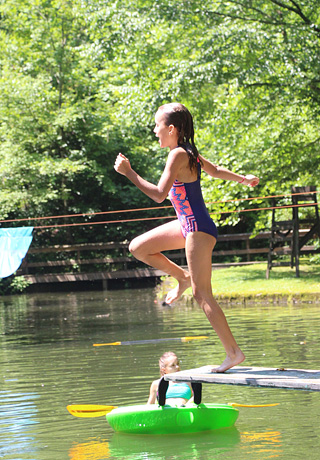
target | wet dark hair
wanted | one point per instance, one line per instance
(179, 116)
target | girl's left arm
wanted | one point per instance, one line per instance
(223, 173)
(191, 400)
(158, 192)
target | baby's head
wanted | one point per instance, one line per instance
(169, 363)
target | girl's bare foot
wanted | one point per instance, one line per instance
(177, 292)
(230, 361)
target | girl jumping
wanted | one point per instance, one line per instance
(193, 230)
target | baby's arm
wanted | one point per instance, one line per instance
(153, 392)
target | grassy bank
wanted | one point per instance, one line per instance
(249, 282)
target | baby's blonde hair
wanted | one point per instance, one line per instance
(163, 360)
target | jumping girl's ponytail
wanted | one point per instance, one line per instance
(179, 116)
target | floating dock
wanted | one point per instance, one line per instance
(297, 379)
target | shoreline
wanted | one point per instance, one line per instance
(248, 285)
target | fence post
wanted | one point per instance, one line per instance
(105, 284)
(125, 263)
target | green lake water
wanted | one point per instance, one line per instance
(47, 361)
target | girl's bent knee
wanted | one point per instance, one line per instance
(137, 249)
(133, 247)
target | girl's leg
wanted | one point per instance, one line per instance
(199, 248)
(149, 246)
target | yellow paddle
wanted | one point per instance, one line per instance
(252, 405)
(97, 410)
(137, 342)
(89, 410)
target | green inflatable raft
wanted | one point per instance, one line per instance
(153, 419)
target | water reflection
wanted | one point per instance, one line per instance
(90, 450)
(18, 414)
(137, 447)
(265, 445)
(47, 361)
(215, 445)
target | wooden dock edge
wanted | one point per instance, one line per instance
(298, 379)
(94, 276)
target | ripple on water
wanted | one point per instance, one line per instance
(48, 361)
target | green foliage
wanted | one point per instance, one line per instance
(81, 80)
(19, 284)
(13, 285)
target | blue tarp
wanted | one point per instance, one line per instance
(14, 245)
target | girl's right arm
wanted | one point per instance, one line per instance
(158, 192)
(153, 392)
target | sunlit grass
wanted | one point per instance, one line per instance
(250, 281)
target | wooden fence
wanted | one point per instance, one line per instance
(109, 261)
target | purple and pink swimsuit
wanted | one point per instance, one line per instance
(187, 200)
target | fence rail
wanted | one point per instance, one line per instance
(107, 261)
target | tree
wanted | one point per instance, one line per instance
(81, 80)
